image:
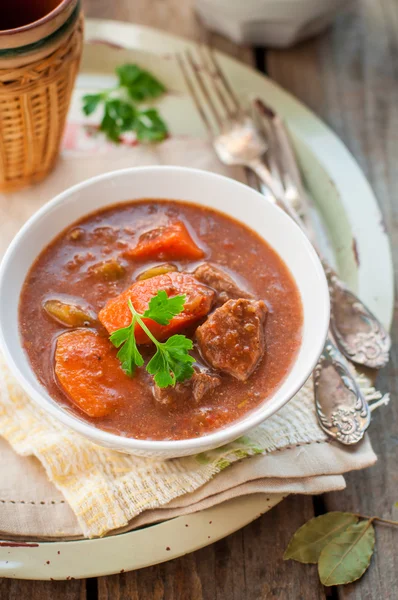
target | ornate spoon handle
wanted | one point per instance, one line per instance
(358, 333)
(342, 410)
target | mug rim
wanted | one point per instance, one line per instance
(45, 37)
(42, 21)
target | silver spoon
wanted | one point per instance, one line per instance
(341, 407)
(342, 410)
(356, 330)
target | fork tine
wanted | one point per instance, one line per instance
(273, 156)
(214, 79)
(221, 76)
(194, 95)
(197, 72)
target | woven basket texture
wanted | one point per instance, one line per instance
(34, 102)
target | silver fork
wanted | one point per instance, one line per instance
(236, 139)
(342, 409)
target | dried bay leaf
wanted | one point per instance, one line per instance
(346, 557)
(308, 541)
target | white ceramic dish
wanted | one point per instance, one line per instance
(201, 187)
(275, 23)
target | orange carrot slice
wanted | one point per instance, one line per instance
(88, 371)
(199, 299)
(172, 242)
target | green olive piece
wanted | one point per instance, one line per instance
(68, 315)
(108, 270)
(158, 270)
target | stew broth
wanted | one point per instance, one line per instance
(67, 270)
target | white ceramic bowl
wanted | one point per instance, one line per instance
(274, 23)
(201, 187)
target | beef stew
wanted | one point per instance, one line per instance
(242, 315)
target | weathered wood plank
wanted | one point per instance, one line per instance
(350, 78)
(13, 589)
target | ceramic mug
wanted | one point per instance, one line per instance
(40, 49)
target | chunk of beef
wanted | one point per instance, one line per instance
(197, 387)
(232, 339)
(202, 383)
(221, 282)
(170, 395)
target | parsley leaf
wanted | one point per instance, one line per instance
(128, 354)
(149, 126)
(162, 309)
(90, 103)
(172, 361)
(120, 336)
(140, 84)
(119, 116)
(180, 361)
(158, 367)
(120, 110)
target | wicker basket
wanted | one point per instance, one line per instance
(34, 101)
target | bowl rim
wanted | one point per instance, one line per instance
(220, 436)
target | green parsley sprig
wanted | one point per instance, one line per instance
(171, 362)
(121, 112)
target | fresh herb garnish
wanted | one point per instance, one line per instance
(139, 84)
(120, 106)
(171, 362)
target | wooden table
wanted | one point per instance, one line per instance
(349, 77)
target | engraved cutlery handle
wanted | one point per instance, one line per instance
(342, 410)
(358, 333)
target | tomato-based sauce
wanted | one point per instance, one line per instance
(101, 256)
